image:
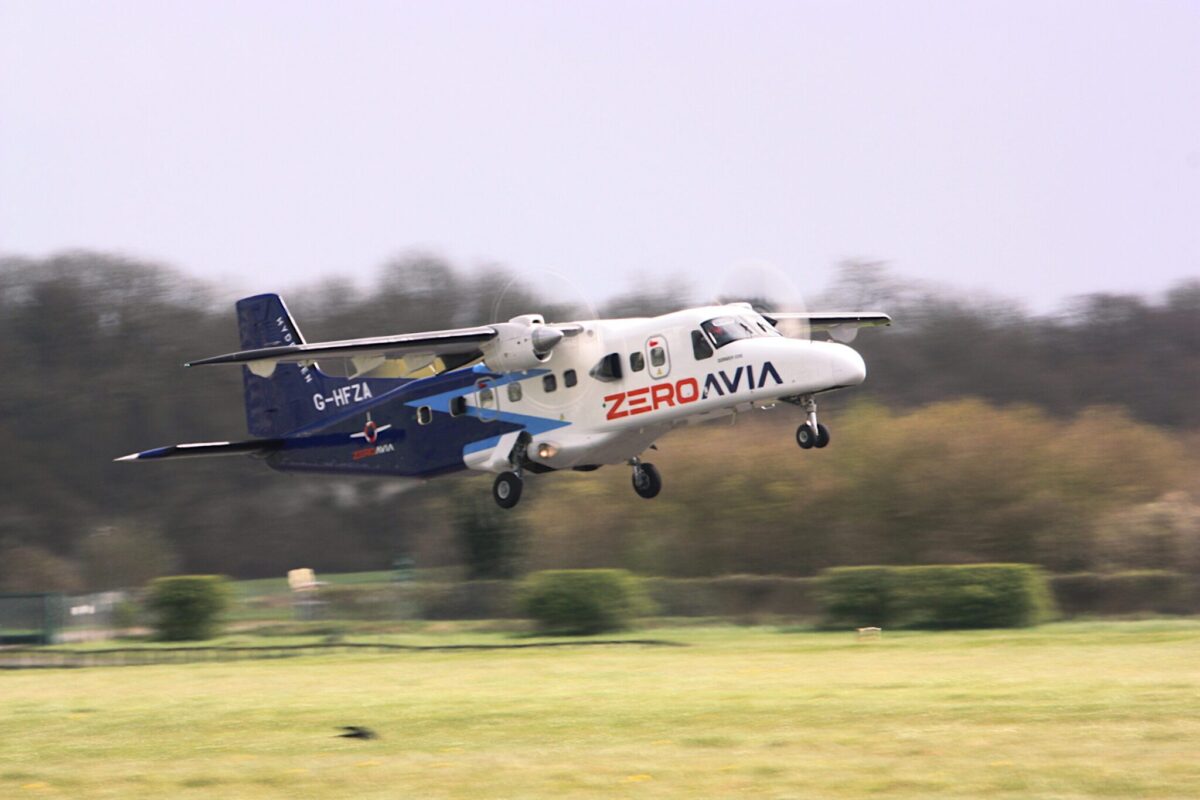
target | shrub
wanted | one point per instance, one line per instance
(187, 607)
(583, 601)
(972, 596)
(857, 596)
(949, 596)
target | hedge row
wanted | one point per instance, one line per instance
(943, 596)
(583, 601)
(1134, 592)
(748, 597)
(726, 596)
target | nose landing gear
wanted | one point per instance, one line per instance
(807, 437)
(811, 434)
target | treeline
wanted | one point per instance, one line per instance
(953, 482)
(1101, 349)
(92, 345)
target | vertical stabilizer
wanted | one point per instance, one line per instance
(282, 402)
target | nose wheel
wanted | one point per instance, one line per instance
(646, 480)
(812, 433)
(506, 491)
(808, 437)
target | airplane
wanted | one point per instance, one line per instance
(524, 396)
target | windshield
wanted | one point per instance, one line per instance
(724, 330)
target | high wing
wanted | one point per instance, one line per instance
(828, 320)
(462, 341)
(451, 348)
(842, 325)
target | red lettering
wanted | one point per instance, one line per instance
(616, 400)
(662, 394)
(637, 403)
(692, 385)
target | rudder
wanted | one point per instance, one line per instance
(280, 403)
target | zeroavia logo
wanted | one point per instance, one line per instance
(377, 450)
(370, 434)
(688, 390)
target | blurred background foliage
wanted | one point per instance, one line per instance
(983, 433)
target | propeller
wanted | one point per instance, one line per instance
(563, 302)
(767, 288)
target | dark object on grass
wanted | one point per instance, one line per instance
(357, 732)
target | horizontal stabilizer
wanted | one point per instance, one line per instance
(207, 450)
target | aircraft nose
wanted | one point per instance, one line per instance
(849, 369)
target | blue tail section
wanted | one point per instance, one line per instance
(294, 396)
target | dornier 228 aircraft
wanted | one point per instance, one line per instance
(522, 396)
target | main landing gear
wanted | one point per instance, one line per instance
(811, 434)
(507, 489)
(646, 480)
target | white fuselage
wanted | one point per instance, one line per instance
(661, 372)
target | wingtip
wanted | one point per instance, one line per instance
(130, 457)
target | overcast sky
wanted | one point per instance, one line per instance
(1035, 150)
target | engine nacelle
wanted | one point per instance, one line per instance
(521, 344)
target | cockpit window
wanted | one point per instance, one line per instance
(724, 330)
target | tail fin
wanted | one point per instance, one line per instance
(282, 402)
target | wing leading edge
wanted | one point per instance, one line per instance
(829, 320)
(449, 342)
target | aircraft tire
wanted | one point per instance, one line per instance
(646, 481)
(506, 490)
(822, 436)
(806, 437)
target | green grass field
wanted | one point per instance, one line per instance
(1065, 711)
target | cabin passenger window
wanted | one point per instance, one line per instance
(514, 392)
(549, 383)
(570, 378)
(701, 349)
(658, 356)
(458, 406)
(487, 402)
(637, 362)
(424, 415)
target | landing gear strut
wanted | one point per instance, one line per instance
(507, 489)
(646, 480)
(811, 433)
